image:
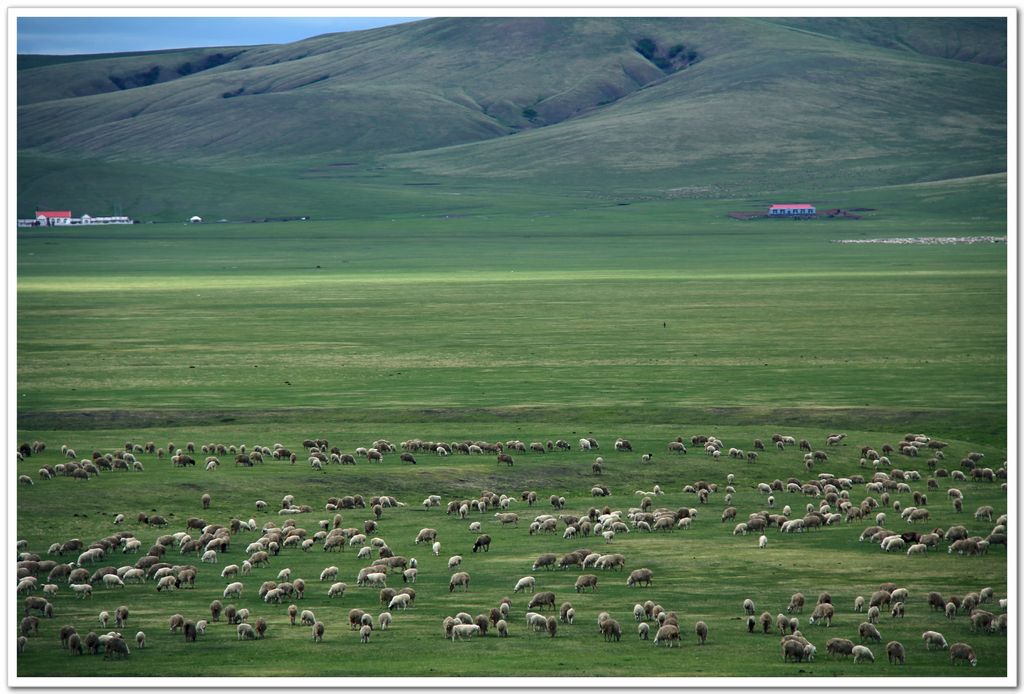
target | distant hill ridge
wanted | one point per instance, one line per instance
(733, 103)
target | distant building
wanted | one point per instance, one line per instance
(792, 210)
(56, 218)
(196, 219)
(63, 218)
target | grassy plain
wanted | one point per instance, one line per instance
(497, 319)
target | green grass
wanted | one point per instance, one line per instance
(626, 312)
(498, 319)
(704, 573)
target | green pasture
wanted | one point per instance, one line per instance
(703, 573)
(499, 320)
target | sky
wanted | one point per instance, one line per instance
(75, 35)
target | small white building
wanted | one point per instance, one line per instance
(195, 219)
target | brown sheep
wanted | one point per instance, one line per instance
(839, 647)
(639, 576)
(868, 632)
(897, 654)
(612, 631)
(586, 581)
(701, 629)
(541, 599)
(961, 651)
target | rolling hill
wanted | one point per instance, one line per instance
(709, 107)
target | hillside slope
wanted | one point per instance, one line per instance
(702, 106)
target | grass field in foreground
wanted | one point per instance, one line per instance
(647, 321)
(703, 573)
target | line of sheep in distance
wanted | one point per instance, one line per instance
(206, 540)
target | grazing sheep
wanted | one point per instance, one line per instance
(667, 633)
(116, 646)
(546, 560)
(233, 590)
(868, 632)
(612, 631)
(962, 651)
(467, 631)
(701, 629)
(796, 604)
(896, 652)
(839, 647)
(523, 583)
(541, 599)
(858, 604)
(934, 638)
(82, 590)
(459, 579)
(862, 653)
(823, 612)
(454, 561)
(586, 581)
(639, 576)
(748, 606)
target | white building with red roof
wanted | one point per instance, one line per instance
(800, 209)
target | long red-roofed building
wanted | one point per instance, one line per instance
(792, 210)
(53, 217)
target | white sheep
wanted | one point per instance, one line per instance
(337, 589)
(111, 580)
(140, 639)
(525, 582)
(233, 590)
(466, 631)
(934, 638)
(762, 542)
(861, 653)
(400, 601)
(377, 580)
(454, 561)
(436, 549)
(384, 619)
(329, 574)
(50, 589)
(209, 557)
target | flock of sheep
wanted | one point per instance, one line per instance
(830, 500)
(797, 648)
